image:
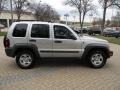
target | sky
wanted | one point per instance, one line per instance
(62, 9)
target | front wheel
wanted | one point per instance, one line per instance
(25, 59)
(97, 59)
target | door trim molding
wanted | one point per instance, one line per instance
(59, 51)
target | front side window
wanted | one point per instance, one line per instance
(40, 31)
(20, 30)
(61, 32)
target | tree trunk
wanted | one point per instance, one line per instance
(19, 16)
(104, 19)
(80, 12)
(80, 19)
(82, 23)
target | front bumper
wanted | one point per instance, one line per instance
(110, 53)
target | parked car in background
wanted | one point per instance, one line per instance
(78, 30)
(94, 31)
(85, 30)
(111, 32)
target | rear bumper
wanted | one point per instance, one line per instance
(9, 52)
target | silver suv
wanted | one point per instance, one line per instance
(30, 41)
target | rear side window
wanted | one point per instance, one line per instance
(40, 31)
(20, 30)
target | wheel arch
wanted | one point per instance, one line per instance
(29, 47)
(92, 47)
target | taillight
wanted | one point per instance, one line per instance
(6, 42)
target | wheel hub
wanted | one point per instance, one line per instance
(97, 59)
(25, 60)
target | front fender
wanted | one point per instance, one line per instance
(91, 47)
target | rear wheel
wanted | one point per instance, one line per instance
(25, 59)
(97, 59)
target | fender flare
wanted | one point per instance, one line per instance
(30, 47)
(90, 47)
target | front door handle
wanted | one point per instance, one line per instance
(58, 41)
(32, 40)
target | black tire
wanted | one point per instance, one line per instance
(103, 61)
(32, 58)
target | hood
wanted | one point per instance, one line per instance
(89, 39)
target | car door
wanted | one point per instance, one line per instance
(65, 44)
(41, 37)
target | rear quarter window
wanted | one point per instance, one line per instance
(20, 30)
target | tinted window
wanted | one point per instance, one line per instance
(20, 30)
(61, 32)
(40, 31)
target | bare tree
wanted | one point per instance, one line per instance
(44, 12)
(2, 5)
(83, 7)
(115, 20)
(106, 4)
(20, 7)
(55, 16)
(117, 3)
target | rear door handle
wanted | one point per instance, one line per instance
(58, 41)
(32, 40)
